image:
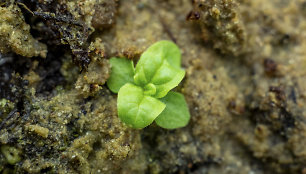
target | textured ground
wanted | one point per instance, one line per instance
(245, 86)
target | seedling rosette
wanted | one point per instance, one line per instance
(144, 92)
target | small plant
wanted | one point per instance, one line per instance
(144, 92)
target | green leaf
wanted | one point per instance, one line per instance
(176, 114)
(166, 78)
(122, 72)
(136, 109)
(169, 50)
(160, 65)
(150, 89)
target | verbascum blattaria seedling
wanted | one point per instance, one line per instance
(144, 91)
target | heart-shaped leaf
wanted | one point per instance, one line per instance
(176, 114)
(137, 109)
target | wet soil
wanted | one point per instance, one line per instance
(245, 86)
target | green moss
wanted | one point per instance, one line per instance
(11, 154)
(3, 102)
(5, 107)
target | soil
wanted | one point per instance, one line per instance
(245, 86)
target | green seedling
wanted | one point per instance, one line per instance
(144, 92)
